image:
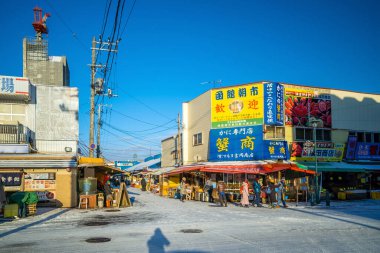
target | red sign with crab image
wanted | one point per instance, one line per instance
(305, 106)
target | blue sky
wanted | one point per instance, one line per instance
(170, 47)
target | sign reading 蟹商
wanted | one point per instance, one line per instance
(236, 144)
(275, 150)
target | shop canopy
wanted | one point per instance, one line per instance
(339, 166)
(98, 164)
(251, 167)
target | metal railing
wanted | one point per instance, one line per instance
(14, 134)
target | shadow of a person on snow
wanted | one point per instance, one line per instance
(157, 243)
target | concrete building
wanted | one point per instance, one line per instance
(327, 130)
(41, 68)
(39, 131)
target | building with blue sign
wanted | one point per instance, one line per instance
(335, 133)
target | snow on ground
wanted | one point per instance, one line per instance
(156, 224)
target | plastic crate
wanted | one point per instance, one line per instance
(10, 210)
(31, 209)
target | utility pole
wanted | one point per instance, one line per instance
(103, 46)
(92, 97)
(99, 125)
(179, 160)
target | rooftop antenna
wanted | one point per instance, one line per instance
(39, 23)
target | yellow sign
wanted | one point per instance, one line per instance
(237, 106)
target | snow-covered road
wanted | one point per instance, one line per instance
(156, 224)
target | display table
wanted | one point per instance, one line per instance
(91, 200)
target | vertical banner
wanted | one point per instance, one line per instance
(236, 144)
(273, 104)
(351, 147)
(275, 150)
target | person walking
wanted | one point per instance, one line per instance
(143, 184)
(209, 188)
(281, 193)
(244, 195)
(222, 195)
(183, 189)
(257, 190)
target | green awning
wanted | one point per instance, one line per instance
(333, 167)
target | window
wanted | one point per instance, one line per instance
(197, 139)
(304, 134)
(376, 137)
(368, 137)
(300, 134)
(360, 136)
(12, 112)
(274, 132)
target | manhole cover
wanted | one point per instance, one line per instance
(96, 223)
(191, 231)
(98, 239)
(113, 210)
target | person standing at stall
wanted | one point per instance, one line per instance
(244, 195)
(222, 195)
(183, 189)
(257, 190)
(281, 193)
(209, 188)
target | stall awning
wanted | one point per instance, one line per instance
(252, 167)
(144, 165)
(338, 167)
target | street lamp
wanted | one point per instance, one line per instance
(314, 124)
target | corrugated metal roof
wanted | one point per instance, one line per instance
(38, 163)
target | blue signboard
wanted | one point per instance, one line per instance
(275, 150)
(273, 104)
(236, 144)
(123, 165)
(367, 151)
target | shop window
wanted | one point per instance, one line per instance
(197, 139)
(351, 133)
(376, 137)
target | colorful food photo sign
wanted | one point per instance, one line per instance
(306, 105)
(236, 144)
(237, 106)
(325, 152)
(273, 104)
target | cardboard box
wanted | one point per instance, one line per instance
(10, 210)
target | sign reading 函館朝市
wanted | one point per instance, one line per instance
(237, 106)
(305, 105)
(236, 144)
